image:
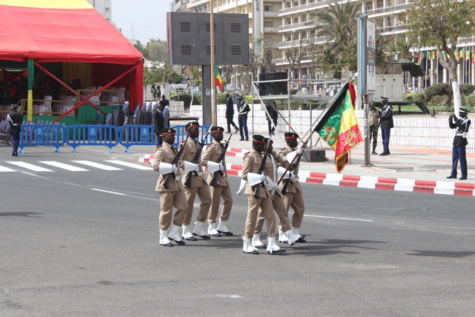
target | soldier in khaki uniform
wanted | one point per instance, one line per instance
(171, 196)
(197, 185)
(294, 195)
(252, 164)
(222, 187)
(278, 204)
(374, 115)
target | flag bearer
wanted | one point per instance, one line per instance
(220, 187)
(196, 185)
(294, 196)
(171, 193)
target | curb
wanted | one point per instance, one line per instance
(369, 182)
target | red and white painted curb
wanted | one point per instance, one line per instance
(370, 182)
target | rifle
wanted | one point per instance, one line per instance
(196, 158)
(221, 159)
(174, 162)
(257, 187)
(292, 166)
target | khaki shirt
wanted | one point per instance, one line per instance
(252, 163)
(213, 153)
(191, 148)
(374, 118)
(295, 187)
(166, 153)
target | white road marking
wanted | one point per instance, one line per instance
(133, 165)
(6, 169)
(108, 191)
(64, 166)
(98, 165)
(30, 166)
(340, 218)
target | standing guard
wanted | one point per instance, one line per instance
(258, 196)
(170, 188)
(293, 197)
(459, 145)
(214, 160)
(194, 182)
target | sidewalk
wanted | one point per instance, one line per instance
(408, 168)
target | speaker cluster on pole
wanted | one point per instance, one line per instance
(277, 87)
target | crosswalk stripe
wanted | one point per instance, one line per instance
(5, 169)
(29, 166)
(65, 166)
(132, 165)
(98, 165)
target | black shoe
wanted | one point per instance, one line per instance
(247, 139)
(190, 239)
(280, 251)
(301, 240)
(463, 178)
(205, 237)
(166, 244)
(228, 131)
(260, 246)
(252, 252)
(374, 152)
(237, 130)
(227, 233)
(451, 176)
(181, 242)
(384, 153)
(241, 139)
(215, 235)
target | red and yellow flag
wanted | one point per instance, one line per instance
(218, 80)
(339, 126)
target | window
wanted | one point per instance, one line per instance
(268, 24)
(268, 8)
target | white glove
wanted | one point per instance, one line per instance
(221, 166)
(299, 151)
(276, 186)
(263, 177)
(291, 175)
(242, 187)
(197, 167)
(175, 169)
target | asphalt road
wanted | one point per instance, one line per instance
(85, 243)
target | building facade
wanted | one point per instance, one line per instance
(104, 7)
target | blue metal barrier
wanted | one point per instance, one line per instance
(137, 135)
(182, 135)
(93, 135)
(42, 135)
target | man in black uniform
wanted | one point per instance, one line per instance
(230, 114)
(461, 127)
(15, 120)
(158, 123)
(386, 120)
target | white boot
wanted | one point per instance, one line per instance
(164, 239)
(187, 234)
(223, 229)
(247, 246)
(297, 236)
(289, 233)
(199, 231)
(175, 235)
(272, 247)
(256, 241)
(212, 230)
(283, 236)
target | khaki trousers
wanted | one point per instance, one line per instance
(216, 194)
(168, 200)
(205, 197)
(281, 211)
(253, 205)
(295, 201)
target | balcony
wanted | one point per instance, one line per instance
(396, 29)
(307, 7)
(297, 26)
(389, 10)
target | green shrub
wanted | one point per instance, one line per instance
(415, 96)
(467, 89)
(438, 90)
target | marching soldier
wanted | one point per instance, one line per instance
(258, 196)
(194, 182)
(277, 201)
(219, 184)
(293, 197)
(170, 189)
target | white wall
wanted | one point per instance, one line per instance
(420, 130)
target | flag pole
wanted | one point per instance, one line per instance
(213, 75)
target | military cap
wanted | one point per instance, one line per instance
(215, 128)
(384, 98)
(167, 131)
(462, 110)
(191, 124)
(259, 139)
(289, 135)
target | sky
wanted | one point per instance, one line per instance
(141, 19)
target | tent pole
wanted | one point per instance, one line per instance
(31, 76)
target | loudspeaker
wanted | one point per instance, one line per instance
(280, 87)
(273, 88)
(313, 155)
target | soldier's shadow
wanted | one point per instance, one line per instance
(330, 247)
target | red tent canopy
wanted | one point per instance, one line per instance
(65, 31)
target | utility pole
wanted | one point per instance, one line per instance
(214, 120)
